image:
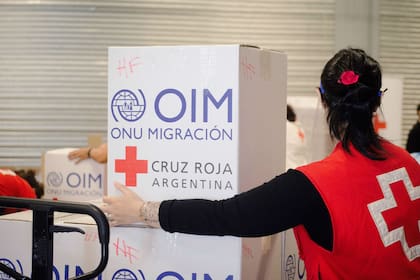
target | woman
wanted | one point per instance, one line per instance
(344, 209)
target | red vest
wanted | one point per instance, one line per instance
(375, 214)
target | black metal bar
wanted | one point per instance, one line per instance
(42, 244)
(43, 230)
(12, 272)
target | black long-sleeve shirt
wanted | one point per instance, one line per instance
(413, 141)
(284, 202)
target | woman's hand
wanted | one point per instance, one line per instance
(79, 154)
(124, 209)
(98, 154)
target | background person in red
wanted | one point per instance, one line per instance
(13, 185)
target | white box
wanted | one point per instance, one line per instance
(197, 122)
(311, 117)
(137, 253)
(143, 253)
(66, 180)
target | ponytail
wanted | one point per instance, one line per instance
(351, 83)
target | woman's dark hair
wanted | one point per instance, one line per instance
(30, 177)
(351, 104)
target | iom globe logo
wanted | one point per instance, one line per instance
(54, 179)
(128, 105)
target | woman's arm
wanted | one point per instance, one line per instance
(284, 202)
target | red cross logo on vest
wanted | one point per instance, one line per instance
(402, 200)
(131, 166)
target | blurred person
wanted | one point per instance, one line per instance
(13, 185)
(98, 154)
(413, 141)
(355, 213)
(296, 153)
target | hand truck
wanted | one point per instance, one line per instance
(43, 229)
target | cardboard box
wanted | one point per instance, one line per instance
(66, 180)
(312, 118)
(139, 253)
(143, 253)
(197, 122)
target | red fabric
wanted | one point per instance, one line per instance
(13, 185)
(369, 203)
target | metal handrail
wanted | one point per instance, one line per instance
(43, 229)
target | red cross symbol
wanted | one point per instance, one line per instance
(378, 124)
(397, 215)
(130, 166)
(407, 210)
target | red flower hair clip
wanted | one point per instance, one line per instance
(348, 78)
